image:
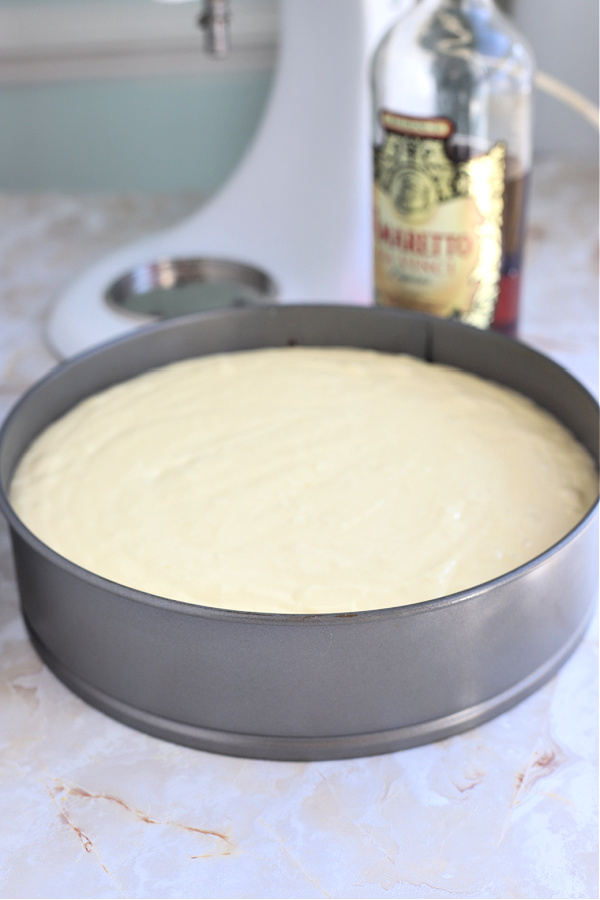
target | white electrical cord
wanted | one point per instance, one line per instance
(562, 92)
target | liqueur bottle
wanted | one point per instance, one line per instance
(452, 89)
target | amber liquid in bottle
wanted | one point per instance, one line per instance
(514, 210)
(506, 314)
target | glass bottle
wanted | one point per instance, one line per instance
(452, 89)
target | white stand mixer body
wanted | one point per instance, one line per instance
(299, 204)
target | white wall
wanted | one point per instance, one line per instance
(564, 36)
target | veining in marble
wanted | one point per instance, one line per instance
(91, 808)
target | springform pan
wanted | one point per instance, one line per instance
(305, 687)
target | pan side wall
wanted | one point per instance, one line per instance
(314, 677)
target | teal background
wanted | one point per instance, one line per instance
(143, 134)
(148, 134)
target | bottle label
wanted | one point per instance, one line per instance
(438, 222)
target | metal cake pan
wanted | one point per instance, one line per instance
(316, 686)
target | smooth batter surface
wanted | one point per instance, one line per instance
(303, 480)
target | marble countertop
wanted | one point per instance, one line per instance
(91, 808)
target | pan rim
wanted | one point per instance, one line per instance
(198, 610)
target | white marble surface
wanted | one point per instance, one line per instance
(90, 808)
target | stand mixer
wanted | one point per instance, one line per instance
(294, 220)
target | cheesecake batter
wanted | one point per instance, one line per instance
(303, 480)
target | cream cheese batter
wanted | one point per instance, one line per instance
(303, 480)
